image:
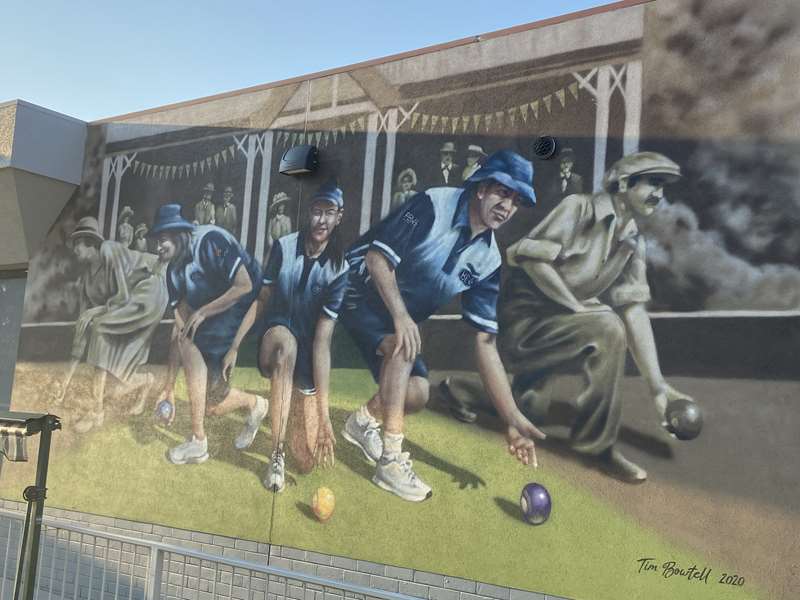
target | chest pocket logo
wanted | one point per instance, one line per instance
(468, 275)
(316, 289)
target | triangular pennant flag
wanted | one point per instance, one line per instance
(202, 165)
(317, 136)
(209, 160)
(232, 150)
(424, 122)
(476, 121)
(560, 96)
(535, 109)
(547, 100)
(224, 154)
(511, 113)
(352, 126)
(523, 112)
(454, 124)
(362, 122)
(194, 168)
(464, 123)
(499, 116)
(174, 168)
(326, 136)
(180, 172)
(434, 121)
(573, 89)
(146, 169)
(445, 121)
(216, 159)
(285, 138)
(343, 131)
(335, 134)
(487, 119)
(414, 119)
(136, 164)
(292, 139)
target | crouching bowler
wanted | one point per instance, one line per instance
(437, 245)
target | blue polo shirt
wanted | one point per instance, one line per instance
(216, 256)
(428, 242)
(303, 289)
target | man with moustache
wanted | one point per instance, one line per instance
(577, 292)
(439, 245)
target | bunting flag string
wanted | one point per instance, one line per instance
(518, 114)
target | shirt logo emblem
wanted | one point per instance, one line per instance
(410, 219)
(316, 289)
(468, 275)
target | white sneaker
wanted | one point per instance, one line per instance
(367, 437)
(276, 472)
(396, 475)
(192, 451)
(253, 422)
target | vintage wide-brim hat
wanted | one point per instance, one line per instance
(139, 228)
(168, 218)
(329, 192)
(448, 147)
(642, 163)
(475, 149)
(278, 199)
(509, 169)
(127, 211)
(87, 227)
(407, 174)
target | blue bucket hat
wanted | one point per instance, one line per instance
(509, 169)
(329, 192)
(168, 218)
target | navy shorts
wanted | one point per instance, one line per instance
(304, 362)
(368, 328)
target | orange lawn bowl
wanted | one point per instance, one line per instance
(323, 503)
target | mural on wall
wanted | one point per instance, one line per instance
(433, 321)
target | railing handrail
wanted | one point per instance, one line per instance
(224, 560)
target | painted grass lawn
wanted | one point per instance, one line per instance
(470, 528)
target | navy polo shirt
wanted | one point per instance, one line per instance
(303, 288)
(428, 242)
(216, 256)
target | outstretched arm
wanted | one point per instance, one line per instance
(322, 375)
(642, 345)
(521, 431)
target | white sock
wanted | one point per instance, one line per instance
(392, 444)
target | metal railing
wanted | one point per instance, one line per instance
(78, 563)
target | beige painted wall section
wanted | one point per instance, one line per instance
(29, 205)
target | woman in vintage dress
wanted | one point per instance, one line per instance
(123, 295)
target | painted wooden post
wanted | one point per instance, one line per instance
(369, 172)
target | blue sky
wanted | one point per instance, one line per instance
(98, 59)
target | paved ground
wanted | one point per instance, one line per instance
(733, 493)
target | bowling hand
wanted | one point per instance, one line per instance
(168, 394)
(326, 441)
(229, 363)
(519, 435)
(666, 394)
(592, 305)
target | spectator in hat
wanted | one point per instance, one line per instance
(568, 182)
(212, 283)
(123, 295)
(475, 157)
(577, 291)
(125, 229)
(406, 187)
(204, 210)
(448, 172)
(140, 238)
(441, 244)
(302, 292)
(226, 216)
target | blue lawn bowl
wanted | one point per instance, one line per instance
(164, 411)
(535, 504)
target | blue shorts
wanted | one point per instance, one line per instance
(304, 362)
(368, 328)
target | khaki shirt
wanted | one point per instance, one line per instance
(583, 240)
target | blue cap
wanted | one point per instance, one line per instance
(168, 218)
(509, 169)
(329, 192)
